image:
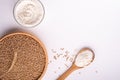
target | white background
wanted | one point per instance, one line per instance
(73, 24)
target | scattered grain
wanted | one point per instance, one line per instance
(61, 48)
(67, 58)
(53, 50)
(71, 59)
(55, 57)
(58, 55)
(66, 65)
(67, 52)
(50, 61)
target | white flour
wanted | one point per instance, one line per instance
(84, 58)
(29, 12)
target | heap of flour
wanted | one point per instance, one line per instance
(84, 58)
(29, 12)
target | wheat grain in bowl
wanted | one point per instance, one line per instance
(25, 55)
(29, 13)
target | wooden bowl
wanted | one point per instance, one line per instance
(25, 55)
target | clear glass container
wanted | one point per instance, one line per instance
(29, 13)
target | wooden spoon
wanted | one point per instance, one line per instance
(84, 58)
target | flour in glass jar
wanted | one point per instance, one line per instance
(29, 13)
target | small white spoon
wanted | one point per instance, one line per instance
(84, 58)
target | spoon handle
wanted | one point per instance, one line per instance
(68, 72)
